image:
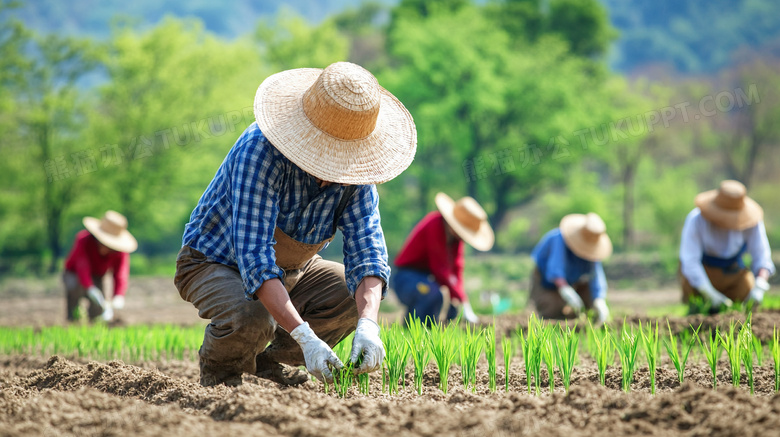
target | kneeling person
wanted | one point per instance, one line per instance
(725, 225)
(249, 262)
(569, 276)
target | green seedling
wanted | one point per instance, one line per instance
(567, 343)
(732, 346)
(490, 355)
(470, 351)
(680, 358)
(712, 351)
(627, 350)
(650, 343)
(507, 348)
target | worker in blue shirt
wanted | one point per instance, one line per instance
(569, 277)
(307, 167)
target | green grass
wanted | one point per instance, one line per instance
(100, 342)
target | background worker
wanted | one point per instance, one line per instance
(725, 225)
(569, 277)
(104, 245)
(429, 267)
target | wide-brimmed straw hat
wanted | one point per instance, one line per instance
(337, 124)
(111, 230)
(729, 206)
(467, 218)
(586, 236)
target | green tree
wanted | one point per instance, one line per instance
(175, 101)
(48, 161)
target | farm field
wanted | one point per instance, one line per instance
(43, 392)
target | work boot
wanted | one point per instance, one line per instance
(279, 373)
(211, 375)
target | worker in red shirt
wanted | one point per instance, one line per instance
(429, 268)
(104, 245)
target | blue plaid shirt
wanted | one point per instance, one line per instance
(555, 260)
(257, 189)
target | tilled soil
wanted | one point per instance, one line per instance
(62, 397)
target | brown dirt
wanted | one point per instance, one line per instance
(55, 396)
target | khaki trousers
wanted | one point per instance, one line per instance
(74, 292)
(548, 302)
(239, 329)
(736, 286)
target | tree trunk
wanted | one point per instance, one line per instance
(629, 176)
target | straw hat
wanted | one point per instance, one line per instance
(586, 236)
(729, 207)
(112, 231)
(336, 124)
(468, 220)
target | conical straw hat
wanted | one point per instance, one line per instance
(336, 124)
(467, 218)
(586, 236)
(729, 206)
(111, 230)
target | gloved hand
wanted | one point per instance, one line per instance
(468, 313)
(571, 297)
(756, 295)
(108, 314)
(118, 302)
(715, 297)
(317, 354)
(95, 295)
(602, 312)
(368, 345)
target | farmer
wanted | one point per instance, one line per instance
(308, 165)
(569, 277)
(429, 274)
(104, 245)
(724, 226)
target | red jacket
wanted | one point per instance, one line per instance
(426, 250)
(85, 261)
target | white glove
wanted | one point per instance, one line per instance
(715, 297)
(468, 313)
(757, 293)
(571, 297)
(108, 314)
(602, 312)
(317, 354)
(367, 345)
(118, 302)
(95, 295)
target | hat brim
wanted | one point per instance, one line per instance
(482, 240)
(734, 219)
(124, 242)
(374, 159)
(591, 251)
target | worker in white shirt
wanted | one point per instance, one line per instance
(725, 225)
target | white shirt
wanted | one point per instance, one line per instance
(700, 237)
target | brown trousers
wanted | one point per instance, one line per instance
(736, 286)
(240, 329)
(74, 292)
(548, 302)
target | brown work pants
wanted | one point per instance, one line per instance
(736, 286)
(240, 329)
(548, 302)
(74, 292)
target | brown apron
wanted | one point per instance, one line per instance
(292, 255)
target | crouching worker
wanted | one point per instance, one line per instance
(569, 277)
(429, 273)
(104, 245)
(724, 226)
(307, 166)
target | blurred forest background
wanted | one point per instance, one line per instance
(537, 108)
